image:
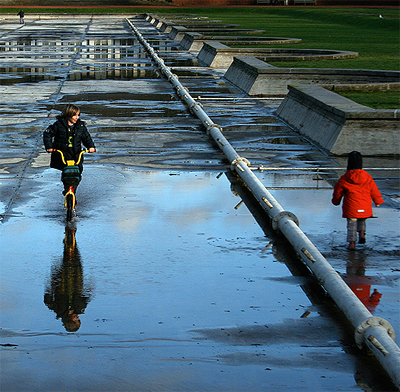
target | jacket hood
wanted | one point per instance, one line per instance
(357, 177)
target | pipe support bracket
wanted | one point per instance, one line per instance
(372, 322)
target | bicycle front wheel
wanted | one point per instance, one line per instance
(69, 207)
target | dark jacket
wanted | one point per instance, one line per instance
(67, 290)
(358, 190)
(56, 136)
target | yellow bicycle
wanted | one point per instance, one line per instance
(71, 177)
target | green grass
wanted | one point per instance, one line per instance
(374, 99)
(361, 30)
(377, 40)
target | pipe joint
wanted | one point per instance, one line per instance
(236, 161)
(284, 214)
(210, 126)
(372, 322)
(172, 76)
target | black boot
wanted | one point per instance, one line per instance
(361, 238)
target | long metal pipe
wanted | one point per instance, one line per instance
(317, 168)
(376, 333)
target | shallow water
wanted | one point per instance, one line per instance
(177, 287)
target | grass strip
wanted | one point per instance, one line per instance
(374, 99)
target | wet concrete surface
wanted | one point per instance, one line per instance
(176, 289)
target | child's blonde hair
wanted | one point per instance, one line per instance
(70, 110)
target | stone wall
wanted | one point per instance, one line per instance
(339, 125)
(258, 78)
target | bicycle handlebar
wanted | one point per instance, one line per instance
(74, 163)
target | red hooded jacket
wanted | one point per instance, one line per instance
(358, 189)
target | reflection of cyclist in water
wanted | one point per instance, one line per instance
(65, 294)
(67, 134)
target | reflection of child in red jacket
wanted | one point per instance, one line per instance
(358, 189)
(362, 291)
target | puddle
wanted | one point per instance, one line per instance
(164, 275)
(115, 72)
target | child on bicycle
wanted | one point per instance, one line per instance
(67, 134)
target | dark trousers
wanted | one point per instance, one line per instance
(355, 225)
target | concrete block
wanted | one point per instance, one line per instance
(177, 33)
(166, 27)
(192, 42)
(213, 54)
(273, 81)
(158, 23)
(244, 73)
(339, 125)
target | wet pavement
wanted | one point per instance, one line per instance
(175, 288)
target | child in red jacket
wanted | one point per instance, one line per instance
(358, 190)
